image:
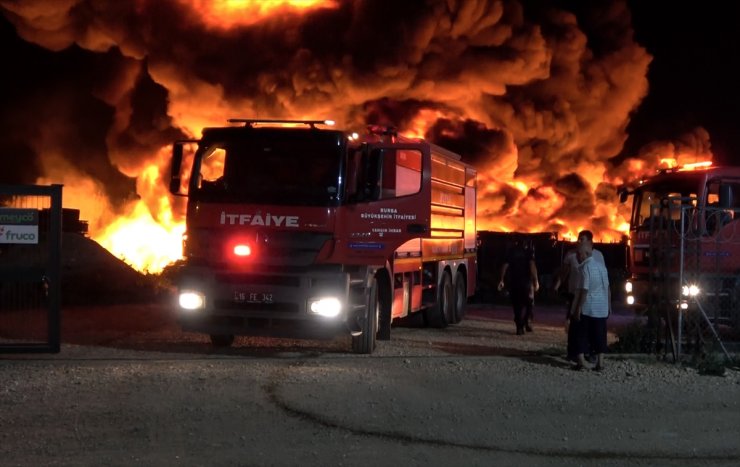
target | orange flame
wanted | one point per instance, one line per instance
(668, 162)
(133, 234)
(141, 241)
(697, 165)
(146, 243)
(225, 14)
(538, 203)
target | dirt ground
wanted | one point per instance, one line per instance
(129, 388)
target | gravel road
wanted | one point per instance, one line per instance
(144, 393)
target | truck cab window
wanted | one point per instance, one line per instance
(276, 167)
(643, 211)
(399, 174)
(654, 206)
(383, 174)
(721, 206)
(212, 170)
(408, 172)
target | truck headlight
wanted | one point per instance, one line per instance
(329, 307)
(192, 300)
(630, 300)
(690, 290)
(628, 286)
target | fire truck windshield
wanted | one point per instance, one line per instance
(271, 167)
(648, 199)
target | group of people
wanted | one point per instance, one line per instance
(586, 281)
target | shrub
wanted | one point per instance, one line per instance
(636, 337)
(712, 363)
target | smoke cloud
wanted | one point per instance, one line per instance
(537, 97)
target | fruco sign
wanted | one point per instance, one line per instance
(19, 225)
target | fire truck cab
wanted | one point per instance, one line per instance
(296, 229)
(685, 241)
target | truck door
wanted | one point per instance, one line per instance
(388, 201)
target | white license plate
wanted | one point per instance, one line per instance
(252, 297)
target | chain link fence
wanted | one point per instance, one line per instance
(694, 257)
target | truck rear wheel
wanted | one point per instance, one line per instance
(222, 340)
(460, 301)
(365, 342)
(735, 310)
(440, 315)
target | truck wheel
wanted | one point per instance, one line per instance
(460, 302)
(222, 340)
(735, 313)
(365, 342)
(384, 316)
(440, 315)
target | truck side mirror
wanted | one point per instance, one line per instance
(175, 178)
(623, 195)
(725, 196)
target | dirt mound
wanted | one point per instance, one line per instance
(92, 275)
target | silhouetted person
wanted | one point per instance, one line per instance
(522, 282)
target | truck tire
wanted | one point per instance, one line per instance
(384, 316)
(440, 315)
(365, 342)
(735, 309)
(460, 299)
(222, 340)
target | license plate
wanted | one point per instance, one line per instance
(252, 297)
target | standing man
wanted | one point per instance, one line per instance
(592, 307)
(523, 282)
(569, 274)
(586, 236)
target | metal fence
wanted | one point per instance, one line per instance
(30, 263)
(710, 273)
(695, 256)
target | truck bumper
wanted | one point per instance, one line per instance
(644, 292)
(264, 304)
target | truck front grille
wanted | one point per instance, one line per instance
(259, 307)
(258, 279)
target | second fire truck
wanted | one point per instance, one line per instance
(685, 241)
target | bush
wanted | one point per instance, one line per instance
(712, 364)
(636, 337)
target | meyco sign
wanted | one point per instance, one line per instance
(19, 225)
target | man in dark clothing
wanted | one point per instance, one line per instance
(522, 281)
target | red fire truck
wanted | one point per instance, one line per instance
(685, 241)
(296, 229)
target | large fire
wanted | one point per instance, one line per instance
(517, 89)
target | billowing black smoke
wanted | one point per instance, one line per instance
(536, 93)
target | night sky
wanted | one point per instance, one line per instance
(694, 76)
(554, 94)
